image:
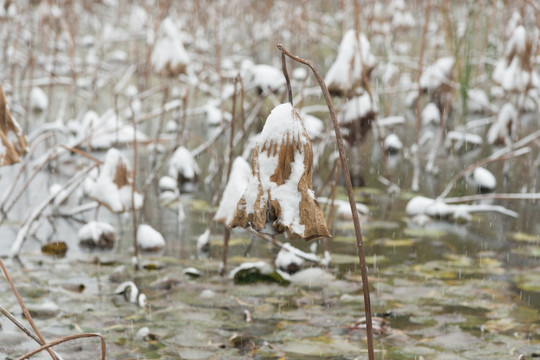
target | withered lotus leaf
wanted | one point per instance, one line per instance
(13, 144)
(279, 197)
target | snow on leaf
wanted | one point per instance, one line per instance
(500, 131)
(353, 59)
(182, 166)
(149, 239)
(238, 181)
(437, 74)
(114, 185)
(279, 196)
(169, 57)
(97, 234)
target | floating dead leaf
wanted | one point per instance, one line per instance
(279, 197)
(56, 248)
(532, 251)
(13, 144)
(395, 242)
(524, 237)
(79, 288)
(529, 281)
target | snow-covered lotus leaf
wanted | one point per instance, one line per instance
(279, 197)
(114, 185)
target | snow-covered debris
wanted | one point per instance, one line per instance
(183, 167)
(238, 181)
(214, 116)
(478, 101)
(261, 266)
(312, 278)
(38, 99)
(97, 234)
(515, 72)
(114, 185)
(137, 18)
(169, 57)
(437, 75)
(392, 144)
(458, 140)
(356, 118)
(500, 131)
(435, 208)
(106, 131)
(288, 261)
(279, 197)
(13, 143)
(482, 179)
(314, 126)
(401, 17)
(354, 59)
(192, 272)
(264, 78)
(430, 114)
(167, 183)
(343, 208)
(149, 239)
(203, 241)
(131, 293)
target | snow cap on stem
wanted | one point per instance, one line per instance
(279, 197)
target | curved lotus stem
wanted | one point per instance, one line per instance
(352, 201)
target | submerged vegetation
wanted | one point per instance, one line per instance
(134, 135)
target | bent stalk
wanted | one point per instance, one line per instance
(352, 201)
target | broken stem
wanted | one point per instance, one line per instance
(352, 201)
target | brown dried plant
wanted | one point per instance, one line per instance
(279, 197)
(12, 138)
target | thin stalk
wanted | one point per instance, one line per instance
(287, 80)
(23, 307)
(350, 193)
(227, 232)
(327, 242)
(24, 329)
(133, 211)
(416, 159)
(65, 339)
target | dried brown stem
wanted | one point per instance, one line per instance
(133, 211)
(350, 193)
(286, 74)
(227, 232)
(23, 307)
(416, 159)
(24, 329)
(65, 339)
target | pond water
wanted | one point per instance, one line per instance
(442, 290)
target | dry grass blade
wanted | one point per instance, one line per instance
(65, 339)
